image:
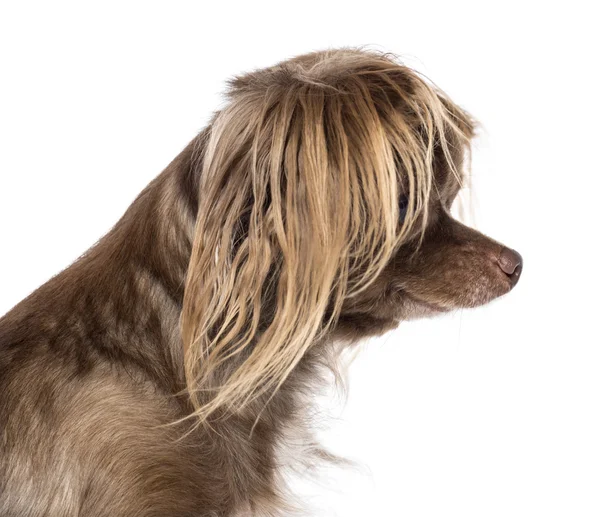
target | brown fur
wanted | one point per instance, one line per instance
(99, 378)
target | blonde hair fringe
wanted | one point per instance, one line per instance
(299, 204)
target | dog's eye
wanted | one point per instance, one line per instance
(403, 207)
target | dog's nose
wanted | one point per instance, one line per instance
(511, 263)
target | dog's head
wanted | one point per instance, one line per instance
(324, 211)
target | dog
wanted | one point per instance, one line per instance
(164, 372)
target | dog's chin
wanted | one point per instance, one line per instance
(415, 308)
(379, 320)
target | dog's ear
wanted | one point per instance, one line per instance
(299, 208)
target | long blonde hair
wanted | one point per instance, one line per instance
(299, 209)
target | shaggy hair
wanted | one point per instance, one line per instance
(164, 372)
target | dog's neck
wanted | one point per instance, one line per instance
(157, 233)
(149, 249)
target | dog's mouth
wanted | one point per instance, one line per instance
(470, 294)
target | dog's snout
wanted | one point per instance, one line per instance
(511, 263)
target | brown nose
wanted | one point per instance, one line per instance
(511, 263)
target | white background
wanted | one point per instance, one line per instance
(490, 412)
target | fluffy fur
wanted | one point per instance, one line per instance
(161, 372)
